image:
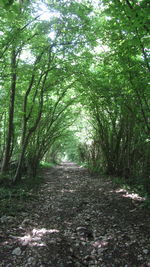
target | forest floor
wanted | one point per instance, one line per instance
(75, 219)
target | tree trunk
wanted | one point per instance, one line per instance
(18, 173)
(7, 152)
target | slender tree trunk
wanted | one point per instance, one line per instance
(7, 152)
(26, 136)
(25, 143)
(18, 173)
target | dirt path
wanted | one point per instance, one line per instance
(77, 220)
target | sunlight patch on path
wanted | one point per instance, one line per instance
(128, 194)
(35, 237)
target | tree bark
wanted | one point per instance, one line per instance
(7, 152)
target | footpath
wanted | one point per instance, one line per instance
(77, 220)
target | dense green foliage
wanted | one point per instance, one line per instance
(74, 84)
(118, 93)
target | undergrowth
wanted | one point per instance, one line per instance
(44, 164)
(134, 187)
(13, 198)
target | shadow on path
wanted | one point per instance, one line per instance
(77, 220)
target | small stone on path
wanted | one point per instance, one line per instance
(16, 251)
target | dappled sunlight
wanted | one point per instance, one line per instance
(100, 189)
(43, 231)
(100, 244)
(34, 238)
(127, 194)
(134, 196)
(68, 191)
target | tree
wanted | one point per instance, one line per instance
(78, 54)
(48, 68)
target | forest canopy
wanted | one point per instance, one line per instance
(74, 84)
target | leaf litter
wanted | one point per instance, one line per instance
(76, 220)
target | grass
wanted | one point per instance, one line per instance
(44, 164)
